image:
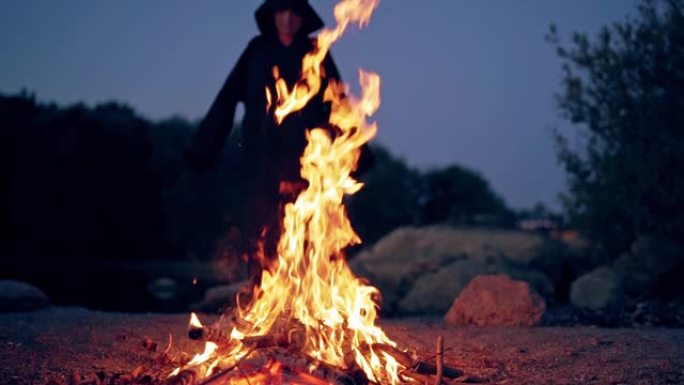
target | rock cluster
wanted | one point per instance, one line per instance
(422, 270)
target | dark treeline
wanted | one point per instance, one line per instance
(87, 184)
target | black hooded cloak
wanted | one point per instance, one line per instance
(247, 83)
(270, 152)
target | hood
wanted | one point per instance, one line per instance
(311, 22)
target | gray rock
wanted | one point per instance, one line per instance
(221, 297)
(598, 289)
(20, 296)
(538, 281)
(163, 289)
(496, 300)
(434, 292)
(411, 264)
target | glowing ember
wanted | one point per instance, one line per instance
(194, 321)
(309, 294)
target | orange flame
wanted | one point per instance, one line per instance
(194, 321)
(311, 281)
(346, 12)
(310, 284)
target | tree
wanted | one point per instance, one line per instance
(624, 91)
(77, 182)
(389, 198)
(459, 196)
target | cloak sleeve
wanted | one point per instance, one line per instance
(211, 135)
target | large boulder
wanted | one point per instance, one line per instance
(20, 296)
(434, 292)
(412, 264)
(496, 300)
(598, 289)
(435, 242)
(398, 259)
(163, 289)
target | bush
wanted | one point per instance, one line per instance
(624, 90)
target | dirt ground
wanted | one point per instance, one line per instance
(53, 344)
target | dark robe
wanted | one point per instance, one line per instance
(271, 153)
(247, 83)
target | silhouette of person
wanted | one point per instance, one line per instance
(270, 152)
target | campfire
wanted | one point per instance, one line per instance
(310, 320)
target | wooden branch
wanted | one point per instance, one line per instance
(261, 342)
(422, 378)
(420, 367)
(404, 359)
(447, 371)
(439, 360)
(214, 379)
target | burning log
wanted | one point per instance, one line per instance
(197, 331)
(206, 333)
(293, 339)
(283, 347)
(350, 376)
(185, 377)
(294, 368)
(418, 366)
(218, 377)
(422, 378)
(261, 342)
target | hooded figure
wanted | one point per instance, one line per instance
(270, 152)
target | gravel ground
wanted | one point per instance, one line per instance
(55, 343)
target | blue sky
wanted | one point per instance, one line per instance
(464, 81)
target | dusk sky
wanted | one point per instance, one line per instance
(467, 82)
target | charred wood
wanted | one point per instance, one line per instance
(439, 360)
(418, 366)
(185, 377)
(207, 333)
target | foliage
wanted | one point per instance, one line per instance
(389, 198)
(624, 89)
(396, 195)
(103, 183)
(76, 182)
(460, 196)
